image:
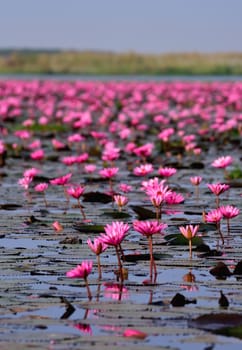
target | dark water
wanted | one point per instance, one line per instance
(145, 78)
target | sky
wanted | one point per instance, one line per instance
(145, 26)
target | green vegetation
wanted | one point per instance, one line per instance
(98, 63)
(235, 174)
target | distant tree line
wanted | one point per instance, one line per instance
(129, 63)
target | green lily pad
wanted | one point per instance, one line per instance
(145, 257)
(179, 239)
(221, 323)
(98, 197)
(231, 332)
(116, 214)
(88, 228)
(143, 213)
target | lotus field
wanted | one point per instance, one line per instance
(120, 214)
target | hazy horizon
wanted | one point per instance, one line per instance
(142, 26)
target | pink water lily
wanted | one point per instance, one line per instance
(189, 232)
(222, 162)
(196, 180)
(229, 212)
(42, 187)
(113, 236)
(218, 189)
(120, 200)
(97, 247)
(143, 170)
(215, 216)
(148, 229)
(82, 271)
(166, 171)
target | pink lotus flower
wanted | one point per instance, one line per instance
(174, 198)
(25, 181)
(113, 236)
(76, 192)
(196, 180)
(75, 138)
(110, 152)
(144, 151)
(143, 170)
(229, 212)
(215, 216)
(61, 181)
(189, 232)
(149, 228)
(218, 188)
(82, 271)
(34, 144)
(58, 145)
(125, 188)
(90, 168)
(157, 192)
(98, 247)
(41, 187)
(120, 200)
(222, 162)
(37, 155)
(115, 233)
(108, 172)
(166, 171)
(57, 226)
(32, 172)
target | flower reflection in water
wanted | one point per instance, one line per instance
(84, 328)
(115, 291)
(189, 280)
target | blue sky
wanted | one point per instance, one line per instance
(148, 26)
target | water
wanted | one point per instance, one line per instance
(119, 78)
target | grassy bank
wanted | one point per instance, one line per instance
(97, 63)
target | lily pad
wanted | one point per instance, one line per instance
(97, 197)
(179, 239)
(116, 214)
(88, 228)
(217, 321)
(10, 206)
(143, 213)
(145, 257)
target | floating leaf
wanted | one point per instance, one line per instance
(71, 240)
(97, 197)
(179, 239)
(10, 206)
(221, 270)
(88, 228)
(238, 268)
(216, 321)
(116, 214)
(143, 213)
(145, 257)
(231, 332)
